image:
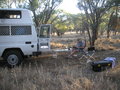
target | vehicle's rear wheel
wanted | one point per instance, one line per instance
(13, 58)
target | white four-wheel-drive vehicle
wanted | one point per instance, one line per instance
(18, 36)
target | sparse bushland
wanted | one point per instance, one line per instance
(48, 73)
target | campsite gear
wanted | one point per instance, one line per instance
(89, 61)
(91, 48)
(113, 59)
(101, 65)
(107, 63)
(89, 55)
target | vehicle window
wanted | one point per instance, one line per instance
(21, 30)
(44, 32)
(4, 30)
(10, 14)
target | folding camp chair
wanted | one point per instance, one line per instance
(89, 55)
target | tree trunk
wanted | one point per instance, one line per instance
(115, 32)
(108, 33)
(35, 19)
(88, 31)
(109, 25)
(94, 36)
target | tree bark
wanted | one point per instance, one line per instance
(108, 33)
(109, 25)
(90, 40)
(35, 19)
(94, 36)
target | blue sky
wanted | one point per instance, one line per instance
(69, 6)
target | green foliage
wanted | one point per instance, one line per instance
(43, 10)
(33, 4)
(1, 1)
(6, 3)
(94, 12)
(113, 24)
(60, 23)
(11, 3)
(77, 21)
(64, 22)
(116, 2)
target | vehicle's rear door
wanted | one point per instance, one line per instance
(44, 37)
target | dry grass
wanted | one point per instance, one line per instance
(57, 45)
(47, 73)
(100, 44)
(107, 44)
(61, 78)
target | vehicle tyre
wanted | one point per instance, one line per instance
(13, 58)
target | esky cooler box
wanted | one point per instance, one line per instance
(102, 65)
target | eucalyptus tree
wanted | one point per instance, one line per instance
(60, 24)
(43, 10)
(77, 21)
(113, 24)
(64, 22)
(55, 16)
(69, 21)
(12, 3)
(33, 5)
(94, 11)
(6, 3)
(20, 3)
(1, 2)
